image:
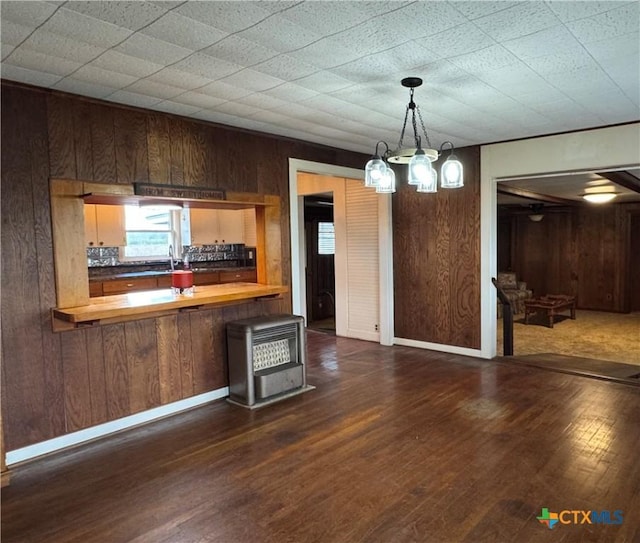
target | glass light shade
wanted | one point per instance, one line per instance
(430, 184)
(374, 171)
(599, 197)
(419, 168)
(452, 174)
(387, 182)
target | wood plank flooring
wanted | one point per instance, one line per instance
(394, 445)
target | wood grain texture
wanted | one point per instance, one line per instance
(62, 153)
(103, 146)
(97, 376)
(159, 146)
(77, 389)
(204, 351)
(437, 260)
(185, 347)
(142, 360)
(114, 346)
(169, 362)
(83, 146)
(369, 456)
(132, 159)
(194, 152)
(176, 165)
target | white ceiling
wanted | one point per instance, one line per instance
(329, 72)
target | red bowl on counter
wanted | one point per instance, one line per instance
(182, 279)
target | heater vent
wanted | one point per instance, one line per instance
(268, 355)
(275, 333)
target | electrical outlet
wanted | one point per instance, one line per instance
(376, 327)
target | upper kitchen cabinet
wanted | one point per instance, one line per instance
(214, 226)
(104, 225)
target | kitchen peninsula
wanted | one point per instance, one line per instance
(81, 302)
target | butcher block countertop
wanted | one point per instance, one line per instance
(150, 303)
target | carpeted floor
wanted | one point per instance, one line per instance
(594, 334)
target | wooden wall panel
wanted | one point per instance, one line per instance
(77, 390)
(115, 370)
(583, 251)
(103, 145)
(437, 259)
(130, 132)
(142, 361)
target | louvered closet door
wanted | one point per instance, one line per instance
(363, 298)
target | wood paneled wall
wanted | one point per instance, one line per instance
(584, 251)
(55, 383)
(436, 252)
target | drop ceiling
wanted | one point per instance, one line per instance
(329, 72)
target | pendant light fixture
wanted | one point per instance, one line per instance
(421, 174)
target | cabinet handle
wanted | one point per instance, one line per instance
(101, 243)
(91, 244)
(129, 285)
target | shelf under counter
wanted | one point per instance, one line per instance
(153, 303)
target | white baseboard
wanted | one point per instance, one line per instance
(465, 351)
(101, 430)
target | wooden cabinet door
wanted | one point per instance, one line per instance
(231, 226)
(204, 226)
(123, 286)
(206, 278)
(238, 276)
(90, 225)
(110, 226)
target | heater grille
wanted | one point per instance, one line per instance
(269, 355)
(275, 333)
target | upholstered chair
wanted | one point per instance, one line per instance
(515, 290)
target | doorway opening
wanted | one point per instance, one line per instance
(320, 244)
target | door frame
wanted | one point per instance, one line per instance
(385, 242)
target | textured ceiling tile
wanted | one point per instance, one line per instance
(612, 49)
(442, 71)
(5, 49)
(474, 9)
(131, 15)
(72, 24)
(570, 11)
(178, 78)
(336, 16)
(32, 60)
(290, 92)
(29, 14)
(609, 25)
(126, 64)
(585, 80)
(148, 48)
(559, 64)
(464, 38)
(133, 99)
(422, 19)
(286, 68)
(224, 91)
(326, 53)
(183, 31)
(240, 51)
(14, 33)
(409, 56)
(61, 47)
(31, 77)
(517, 21)
(235, 108)
(550, 41)
(83, 88)
(176, 108)
(262, 101)
(370, 37)
(252, 80)
(280, 34)
(197, 99)
(206, 66)
(491, 58)
(227, 16)
(93, 74)
(156, 90)
(324, 82)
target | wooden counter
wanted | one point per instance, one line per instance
(140, 305)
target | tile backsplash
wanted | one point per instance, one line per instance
(98, 257)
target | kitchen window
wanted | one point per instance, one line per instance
(326, 238)
(150, 231)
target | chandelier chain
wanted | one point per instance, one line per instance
(404, 127)
(423, 128)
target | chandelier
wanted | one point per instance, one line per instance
(420, 172)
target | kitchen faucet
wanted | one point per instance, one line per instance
(171, 257)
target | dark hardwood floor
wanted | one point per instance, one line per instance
(394, 445)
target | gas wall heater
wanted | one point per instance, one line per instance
(266, 358)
